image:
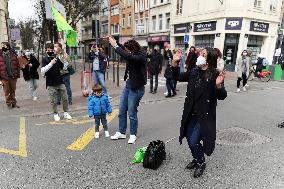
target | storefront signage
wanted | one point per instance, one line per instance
(205, 26)
(158, 38)
(259, 27)
(182, 28)
(234, 24)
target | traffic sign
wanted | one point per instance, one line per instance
(186, 38)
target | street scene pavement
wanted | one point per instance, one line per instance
(37, 152)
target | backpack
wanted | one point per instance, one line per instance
(155, 154)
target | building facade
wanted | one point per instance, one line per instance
(126, 20)
(3, 20)
(159, 25)
(114, 27)
(230, 25)
(141, 22)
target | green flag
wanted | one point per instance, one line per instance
(71, 38)
(61, 23)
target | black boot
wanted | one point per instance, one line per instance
(192, 164)
(199, 169)
(169, 96)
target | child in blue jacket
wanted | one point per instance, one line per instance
(98, 107)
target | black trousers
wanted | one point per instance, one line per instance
(156, 82)
(244, 78)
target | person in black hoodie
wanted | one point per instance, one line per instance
(155, 68)
(205, 87)
(30, 74)
(51, 66)
(136, 79)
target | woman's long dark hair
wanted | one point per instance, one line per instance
(212, 63)
(133, 46)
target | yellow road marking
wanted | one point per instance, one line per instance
(74, 121)
(22, 142)
(89, 135)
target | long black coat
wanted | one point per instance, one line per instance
(155, 64)
(31, 72)
(205, 99)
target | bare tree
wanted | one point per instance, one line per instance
(78, 9)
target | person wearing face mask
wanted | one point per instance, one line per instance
(243, 70)
(51, 69)
(205, 87)
(9, 74)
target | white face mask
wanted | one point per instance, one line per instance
(201, 61)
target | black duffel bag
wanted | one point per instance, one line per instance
(154, 155)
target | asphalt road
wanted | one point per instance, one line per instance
(37, 153)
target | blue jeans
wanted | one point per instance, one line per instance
(66, 80)
(98, 120)
(98, 78)
(194, 138)
(129, 101)
(170, 86)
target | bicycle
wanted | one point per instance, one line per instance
(264, 75)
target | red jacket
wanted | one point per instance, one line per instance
(14, 63)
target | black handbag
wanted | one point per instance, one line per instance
(154, 155)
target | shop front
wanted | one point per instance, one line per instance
(180, 30)
(204, 39)
(158, 41)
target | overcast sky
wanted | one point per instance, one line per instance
(21, 9)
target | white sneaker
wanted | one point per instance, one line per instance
(97, 135)
(244, 89)
(247, 85)
(56, 117)
(166, 93)
(67, 116)
(238, 90)
(34, 98)
(109, 97)
(132, 139)
(106, 134)
(118, 135)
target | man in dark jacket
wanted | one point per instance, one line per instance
(31, 75)
(99, 60)
(168, 55)
(9, 73)
(155, 68)
(51, 69)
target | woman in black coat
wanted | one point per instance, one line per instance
(30, 74)
(205, 87)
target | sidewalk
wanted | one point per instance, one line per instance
(28, 107)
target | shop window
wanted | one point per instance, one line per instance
(254, 46)
(202, 41)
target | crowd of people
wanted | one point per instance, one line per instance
(203, 71)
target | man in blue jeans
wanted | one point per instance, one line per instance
(99, 60)
(136, 76)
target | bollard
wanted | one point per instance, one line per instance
(113, 72)
(117, 74)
